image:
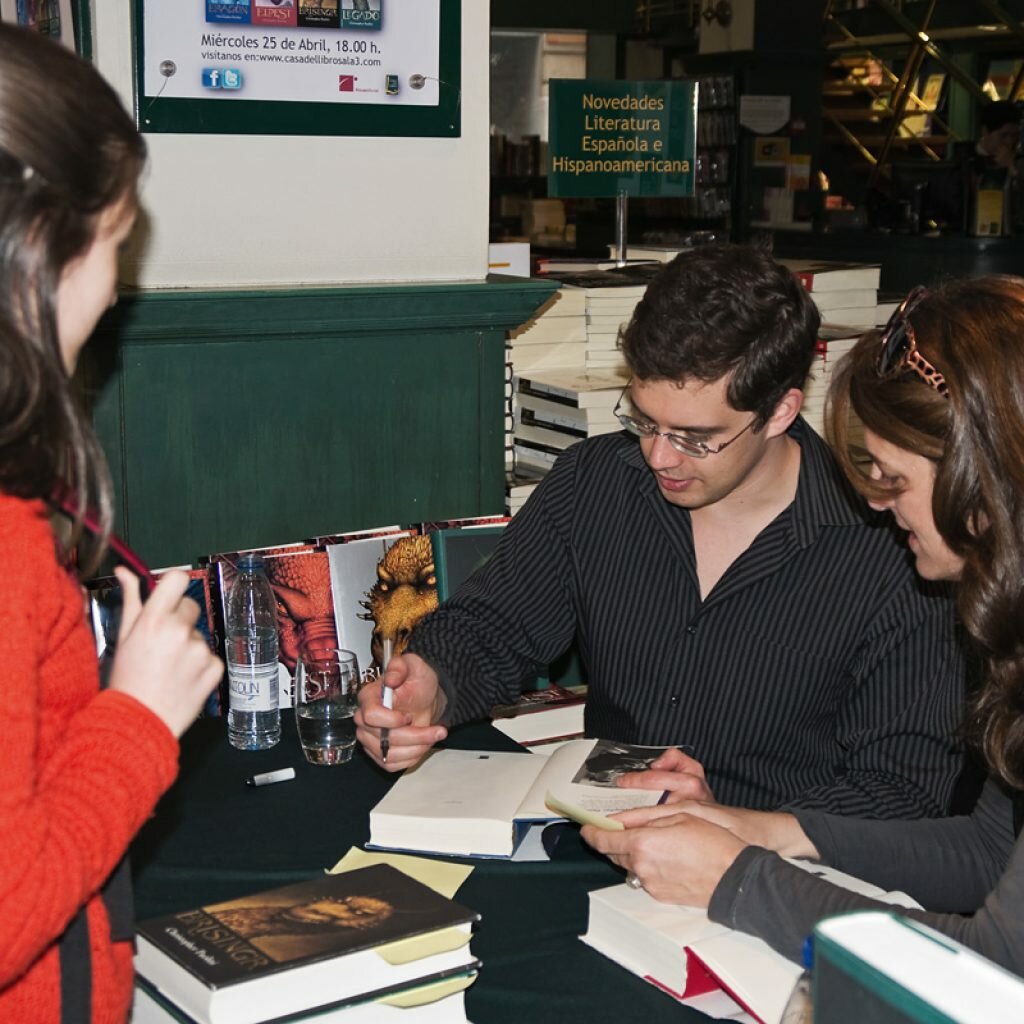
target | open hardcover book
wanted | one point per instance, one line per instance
(475, 803)
(692, 959)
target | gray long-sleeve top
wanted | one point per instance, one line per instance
(968, 872)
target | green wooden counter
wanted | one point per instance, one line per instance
(239, 419)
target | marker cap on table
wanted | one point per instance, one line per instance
(267, 778)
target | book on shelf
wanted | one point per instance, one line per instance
(554, 266)
(322, 944)
(825, 275)
(549, 329)
(557, 355)
(633, 277)
(554, 437)
(519, 485)
(599, 389)
(474, 803)
(546, 412)
(542, 718)
(860, 317)
(529, 455)
(874, 965)
(656, 253)
(845, 298)
(690, 958)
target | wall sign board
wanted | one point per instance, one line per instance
(299, 67)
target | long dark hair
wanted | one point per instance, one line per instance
(68, 152)
(973, 333)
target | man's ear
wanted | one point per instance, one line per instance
(786, 410)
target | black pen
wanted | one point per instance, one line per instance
(387, 696)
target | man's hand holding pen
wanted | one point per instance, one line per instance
(418, 702)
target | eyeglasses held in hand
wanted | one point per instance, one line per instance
(898, 351)
(685, 445)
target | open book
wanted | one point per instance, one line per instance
(688, 956)
(475, 803)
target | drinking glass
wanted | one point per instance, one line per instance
(326, 690)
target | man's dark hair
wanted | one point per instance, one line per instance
(997, 113)
(720, 310)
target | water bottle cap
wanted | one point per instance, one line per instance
(250, 561)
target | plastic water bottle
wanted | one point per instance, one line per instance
(800, 1006)
(254, 720)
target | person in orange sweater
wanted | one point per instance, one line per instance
(80, 768)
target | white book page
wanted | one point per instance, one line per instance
(567, 775)
(462, 784)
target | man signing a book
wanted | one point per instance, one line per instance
(726, 587)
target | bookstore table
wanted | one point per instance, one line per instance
(214, 838)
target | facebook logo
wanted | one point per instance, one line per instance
(222, 78)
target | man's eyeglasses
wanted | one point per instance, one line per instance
(898, 351)
(686, 445)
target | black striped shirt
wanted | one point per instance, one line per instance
(819, 671)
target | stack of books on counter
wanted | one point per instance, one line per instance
(610, 295)
(834, 342)
(845, 293)
(556, 337)
(555, 409)
(345, 948)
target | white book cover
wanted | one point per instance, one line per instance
(845, 298)
(369, 579)
(686, 955)
(924, 975)
(579, 388)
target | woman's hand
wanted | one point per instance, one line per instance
(678, 858)
(161, 658)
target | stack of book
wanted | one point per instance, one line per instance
(556, 409)
(833, 344)
(610, 294)
(556, 337)
(327, 947)
(708, 966)
(845, 293)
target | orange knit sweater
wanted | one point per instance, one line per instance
(80, 771)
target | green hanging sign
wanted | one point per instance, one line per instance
(611, 137)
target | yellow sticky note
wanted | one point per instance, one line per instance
(439, 875)
(418, 946)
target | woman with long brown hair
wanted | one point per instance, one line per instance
(940, 396)
(80, 769)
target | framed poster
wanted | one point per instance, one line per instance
(298, 67)
(48, 17)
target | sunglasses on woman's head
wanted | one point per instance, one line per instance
(898, 351)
